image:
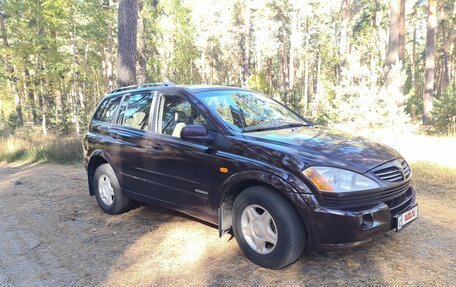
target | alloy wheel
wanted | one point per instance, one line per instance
(259, 229)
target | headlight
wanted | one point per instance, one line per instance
(333, 179)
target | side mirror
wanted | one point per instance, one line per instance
(196, 133)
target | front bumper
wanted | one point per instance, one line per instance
(334, 229)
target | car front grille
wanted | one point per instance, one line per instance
(394, 173)
(398, 203)
(393, 197)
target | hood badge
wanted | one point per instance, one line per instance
(398, 164)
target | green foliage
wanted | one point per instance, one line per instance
(64, 57)
(445, 111)
(259, 83)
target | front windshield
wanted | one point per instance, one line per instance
(248, 111)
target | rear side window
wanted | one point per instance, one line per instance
(108, 109)
(135, 111)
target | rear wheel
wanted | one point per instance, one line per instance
(267, 228)
(108, 192)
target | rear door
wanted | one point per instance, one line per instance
(130, 135)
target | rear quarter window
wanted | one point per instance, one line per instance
(107, 110)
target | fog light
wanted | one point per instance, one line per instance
(367, 221)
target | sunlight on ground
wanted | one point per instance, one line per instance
(439, 150)
(174, 248)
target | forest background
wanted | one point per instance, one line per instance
(359, 66)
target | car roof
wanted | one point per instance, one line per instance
(191, 88)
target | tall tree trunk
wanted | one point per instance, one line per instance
(284, 54)
(245, 64)
(445, 77)
(142, 58)
(429, 62)
(402, 31)
(318, 85)
(374, 56)
(343, 46)
(11, 74)
(305, 99)
(127, 22)
(392, 57)
(291, 71)
(110, 50)
(245, 40)
(43, 97)
(415, 22)
(73, 81)
(269, 72)
(31, 94)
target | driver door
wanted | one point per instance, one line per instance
(181, 171)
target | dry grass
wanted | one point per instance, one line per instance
(435, 179)
(35, 147)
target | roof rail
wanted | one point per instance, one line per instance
(145, 85)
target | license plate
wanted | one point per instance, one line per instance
(406, 217)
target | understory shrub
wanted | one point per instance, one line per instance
(33, 147)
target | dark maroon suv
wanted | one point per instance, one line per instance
(250, 165)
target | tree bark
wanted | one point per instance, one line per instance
(284, 53)
(245, 45)
(110, 48)
(343, 47)
(305, 99)
(429, 61)
(127, 23)
(392, 57)
(291, 71)
(415, 21)
(445, 78)
(402, 31)
(142, 58)
(30, 89)
(244, 61)
(43, 97)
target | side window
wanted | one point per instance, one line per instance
(108, 109)
(135, 111)
(176, 113)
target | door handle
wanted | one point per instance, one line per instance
(157, 146)
(114, 136)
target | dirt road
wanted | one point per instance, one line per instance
(53, 234)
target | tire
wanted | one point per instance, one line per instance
(286, 224)
(116, 202)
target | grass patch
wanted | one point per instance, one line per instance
(33, 148)
(434, 179)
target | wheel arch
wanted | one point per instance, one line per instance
(238, 182)
(97, 158)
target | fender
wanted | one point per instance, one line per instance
(103, 154)
(232, 186)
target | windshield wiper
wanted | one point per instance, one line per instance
(291, 125)
(260, 129)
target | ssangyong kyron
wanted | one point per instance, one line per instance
(248, 164)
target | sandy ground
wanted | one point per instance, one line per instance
(53, 234)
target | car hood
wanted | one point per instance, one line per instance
(320, 146)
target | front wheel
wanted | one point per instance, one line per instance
(267, 228)
(108, 191)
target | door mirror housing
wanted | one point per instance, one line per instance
(196, 133)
